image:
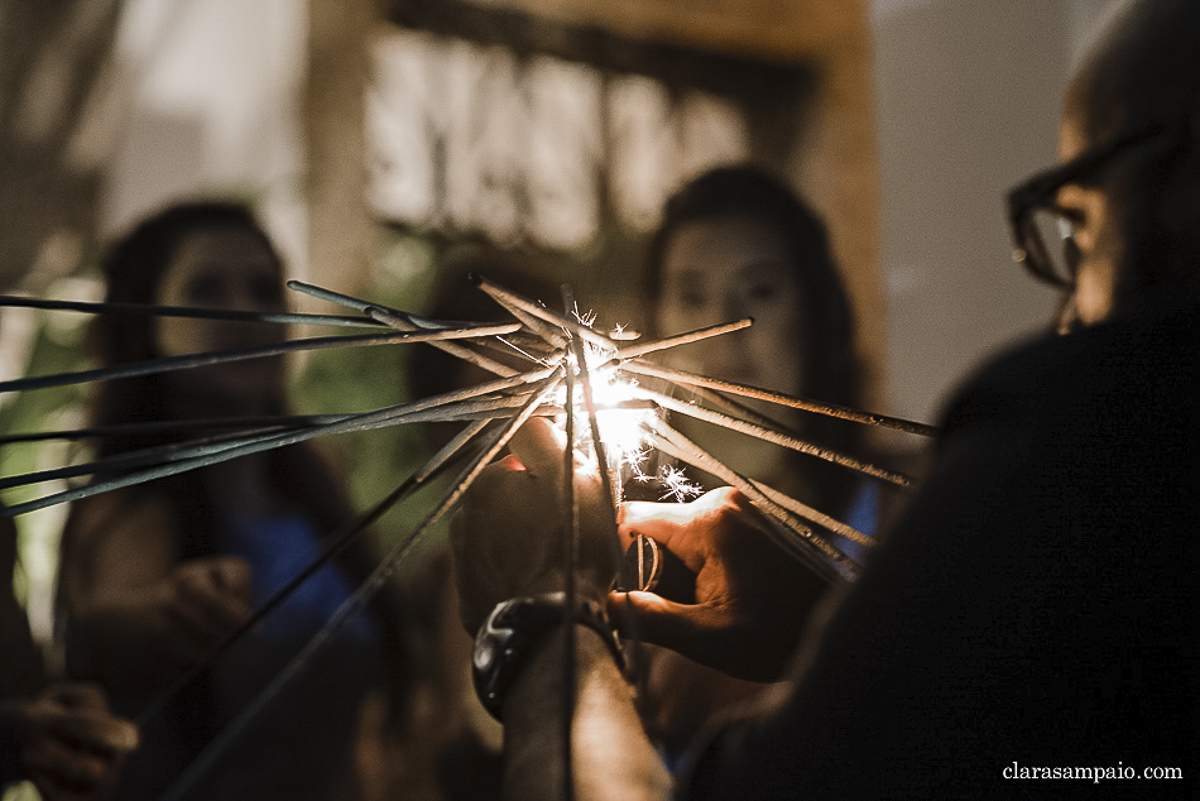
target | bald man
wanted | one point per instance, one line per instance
(1028, 626)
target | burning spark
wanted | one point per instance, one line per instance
(621, 333)
(626, 438)
(585, 318)
(679, 488)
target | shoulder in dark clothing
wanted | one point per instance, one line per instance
(1035, 602)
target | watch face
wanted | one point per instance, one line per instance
(485, 653)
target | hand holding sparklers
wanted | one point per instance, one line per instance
(508, 533)
(751, 599)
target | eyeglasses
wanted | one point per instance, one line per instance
(1042, 232)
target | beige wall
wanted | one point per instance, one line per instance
(967, 105)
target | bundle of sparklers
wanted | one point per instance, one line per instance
(573, 372)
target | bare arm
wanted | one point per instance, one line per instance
(135, 615)
(67, 742)
(611, 755)
(507, 544)
(21, 666)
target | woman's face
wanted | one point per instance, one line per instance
(723, 269)
(223, 267)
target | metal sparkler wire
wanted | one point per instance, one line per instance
(768, 435)
(186, 362)
(205, 446)
(362, 594)
(571, 537)
(420, 411)
(829, 409)
(282, 318)
(142, 457)
(551, 335)
(687, 338)
(789, 533)
(171, 427)
(676, 441)
(158, 454)
(364, 306)
(785, 514)
(462, 352)
(336, 544)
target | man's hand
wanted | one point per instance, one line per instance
(72, 746)
(752, 599)
(205, 599)
(508, 534)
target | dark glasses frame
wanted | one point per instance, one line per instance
(1041, 190)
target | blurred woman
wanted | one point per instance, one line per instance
(737, 242)
(153, 575)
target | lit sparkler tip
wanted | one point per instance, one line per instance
(679, 487)
(620, 333)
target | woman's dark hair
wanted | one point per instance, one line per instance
(831, 371)
(134, 271)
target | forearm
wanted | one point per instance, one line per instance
(611, 757)
(11, 735)
(123, 645)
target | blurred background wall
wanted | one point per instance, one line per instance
(967, 97)
(918, 115)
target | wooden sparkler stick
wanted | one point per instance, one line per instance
(768, 435)
(698, 335)
(800, 540)
(190, 361)
(365, 591)
(829, 409)
(283, 318)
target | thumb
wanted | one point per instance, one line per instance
(538, 447)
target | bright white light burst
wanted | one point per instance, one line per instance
(679, 488)
(626, 438)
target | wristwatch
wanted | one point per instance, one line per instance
(511, 631)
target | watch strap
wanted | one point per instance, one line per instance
(512, 630)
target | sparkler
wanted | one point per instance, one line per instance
(576, 371)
